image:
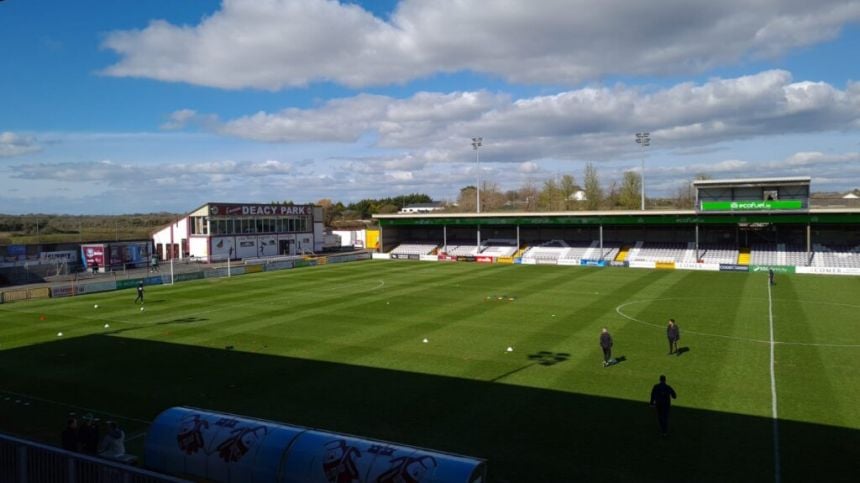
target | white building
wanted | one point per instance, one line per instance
(216, 231)
(422, 207)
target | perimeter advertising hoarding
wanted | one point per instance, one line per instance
(484, 259)
(732, 267)
(763, 205)
(93, 254)
(775, 268)
(664, 265)
(592, 263)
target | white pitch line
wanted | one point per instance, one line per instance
(776, 471)
(721, 336)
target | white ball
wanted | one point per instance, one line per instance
(510, 349)
(96, 306)
(107, 326)
(59, 334)
(141, 309)
(425, 341)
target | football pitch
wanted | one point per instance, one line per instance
(767, 382)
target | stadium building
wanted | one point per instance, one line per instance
(218, 231)
(737, 225)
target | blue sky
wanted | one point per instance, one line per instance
(129, 106)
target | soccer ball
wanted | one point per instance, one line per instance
(510, 349)
(59, 334)
(425, 341)
(107, 326)
(141, 309)
(96, 306)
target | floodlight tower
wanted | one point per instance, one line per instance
(643, 139)
(476, 143)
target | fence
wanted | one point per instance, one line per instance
(23, 461)
(168, 273)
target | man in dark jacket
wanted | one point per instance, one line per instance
(606, 345)
(69, 436)
(89, 435)
(139, 292)
(674, 335)
(661, 398)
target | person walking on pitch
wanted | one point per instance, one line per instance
(661, 399)
(139, 292)
(673, 332)
(606, 345)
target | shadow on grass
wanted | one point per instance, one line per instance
(682, 351)
(527, 434)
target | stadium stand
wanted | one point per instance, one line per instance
(718, 254)
(499, 247)
(547, 252)
(464, 250)
(414, 248)
(659, 252)
(836, 256)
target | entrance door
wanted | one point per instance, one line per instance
(286, 247)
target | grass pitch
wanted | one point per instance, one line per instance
(341, 347)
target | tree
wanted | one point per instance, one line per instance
(528, 195)
(567, 187)
(466, 201)
(548, 199)
(685, 196)
(593, 191)
(491, 198)
(630, 191)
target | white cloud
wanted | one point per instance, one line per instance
(12, 144)
(179, 119)
(272, 44)
(592, 123)
(528, 167)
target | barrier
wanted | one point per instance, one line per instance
(15, 295)
(429, 258)
(592, 263)
(775, 268)
(508, 260)
(635, 264)
(128, 283)
(39, 293)
(569, 262)
(279, 266)
(222, 447)
(664, 265)
(58, 291)
(253, 268)
(184, 277)
(613, 263)
(712, 267)
(526, 261)
(732, 267)
(381, 256)
(828, 270)
(484, 259)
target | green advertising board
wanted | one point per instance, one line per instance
(775, 268)
(763, 205)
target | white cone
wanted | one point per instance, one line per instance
(510, 349)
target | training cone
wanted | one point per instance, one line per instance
(510, 349)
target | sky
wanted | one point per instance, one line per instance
(133, 106)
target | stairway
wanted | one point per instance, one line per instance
(622, 254)
(744, 256)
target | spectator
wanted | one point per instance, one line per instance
(661, 399)
(606, 345)
(113, 444)
(673, 333)
(89, 435)
(71, 436)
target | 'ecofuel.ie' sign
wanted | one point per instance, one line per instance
(763, 205)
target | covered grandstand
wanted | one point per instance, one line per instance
(737, 225)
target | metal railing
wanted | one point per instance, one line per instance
(23, 461)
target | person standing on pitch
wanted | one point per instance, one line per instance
(606, 345)
(770, 276)
(673, 332)
(661, 398)
(139, 292)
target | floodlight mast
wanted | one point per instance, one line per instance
(643, 139)
(476, 143)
